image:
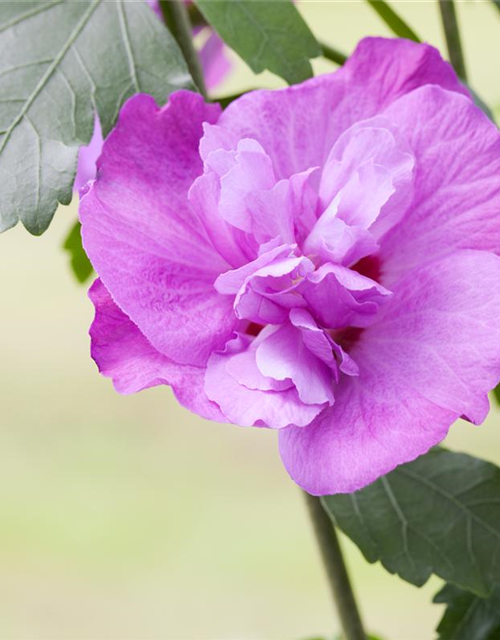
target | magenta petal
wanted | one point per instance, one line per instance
(283, 355)
(286, 210)
(432, 357)
(298, 137)
(232, 244)
(369, 164)
(267, 295)
(243, 368)
(266, 288)
(232, 281)
(253, 407)
(341, 297)
(252, 171)
(456, 190)
(123, 354)
(321, 344)
(142, 236)
(271, 213)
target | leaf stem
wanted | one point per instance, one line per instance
(452, 35)
(176, 17)
(336, 571)
(393, 20)
(332, 54)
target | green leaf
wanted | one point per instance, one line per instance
(59, 62)
(393, 21)
(467, 616)
(80, 264)
(438, 514)
(267, 35)
(496, 393)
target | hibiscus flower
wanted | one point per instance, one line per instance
(320, 260)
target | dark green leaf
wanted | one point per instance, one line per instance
(59, 62)
(496, 393)
(267, 35)
(438, 514)
(467, 616)
(80, 264)
(393, 21)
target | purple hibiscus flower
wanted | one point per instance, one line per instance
(318, 260)
(215, 66)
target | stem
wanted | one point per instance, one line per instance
(336, 570)
(452, 34)
(332, 54)
(176, 17)
(393, 21)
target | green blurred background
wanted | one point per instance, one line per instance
(128, 518)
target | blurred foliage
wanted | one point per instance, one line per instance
(80, 264)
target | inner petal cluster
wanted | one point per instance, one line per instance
(298, 246)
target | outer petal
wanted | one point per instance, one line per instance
(297, 126)
(456, 202)
(433, 357)
(142, 237)
(123, 354)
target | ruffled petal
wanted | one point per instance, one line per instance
(298, 137)
(249, 407)
(340, 297)
(123, 354)
(432, 357)
(266, 287)
(143, 238)
(369, 165)
(284, 355)
(321, 344)
(365, 188)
